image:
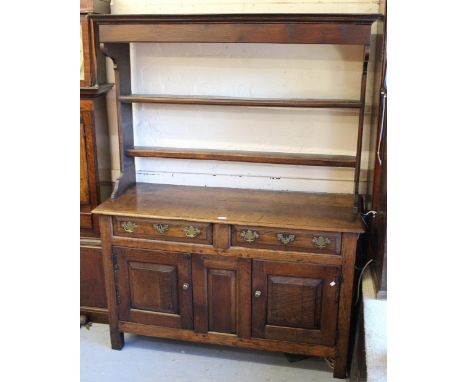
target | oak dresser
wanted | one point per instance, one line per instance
(249, 268)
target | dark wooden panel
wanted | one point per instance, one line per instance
(153, 287)
(150, 286)
(290, 240)
(294, 302)
(222, 294)
(289, 210)
(222, 300)
(244, 156)
(279, 33)
(237, 101)
(92, 287)
(170, 230)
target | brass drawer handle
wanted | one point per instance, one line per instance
(258, 293)
(129, 226)
(185, 286)
(320, 241)
(161, 228)
(285, 238)
(249, 236)
(191, 231)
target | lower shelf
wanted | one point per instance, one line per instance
(244, 156)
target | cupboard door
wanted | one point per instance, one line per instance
(92, 288)
(294, 302)
(154, 287)
(222, 295)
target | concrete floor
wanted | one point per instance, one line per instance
(145, 359)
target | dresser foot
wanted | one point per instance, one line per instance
(339, 370)
(117, 340)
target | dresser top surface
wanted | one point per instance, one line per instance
(293, 210)
(367, 18)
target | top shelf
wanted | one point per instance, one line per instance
(347, 29)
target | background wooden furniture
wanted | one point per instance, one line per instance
(256, 269)
(94, 156)
(378, 225)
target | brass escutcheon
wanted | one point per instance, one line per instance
(129, 226)
(285, 238)
(161, 228)
(320, 241)
(249, 236)
(191, 231)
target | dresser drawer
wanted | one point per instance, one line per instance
(286, 240)
(170, 230)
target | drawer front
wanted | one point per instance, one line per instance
(286, 240)
(168, 230)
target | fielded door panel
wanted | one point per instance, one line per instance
(154, 287)
(294, 302)
(221, 295)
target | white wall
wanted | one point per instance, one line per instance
(245, 6)
(245, 70)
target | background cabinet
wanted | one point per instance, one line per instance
(94, 165)
(95, 185)
(93, 140)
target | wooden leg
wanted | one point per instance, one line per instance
(116, 336)
(117, 339)
(340, 367)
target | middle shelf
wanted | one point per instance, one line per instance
(244, 156)
(238, 101)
